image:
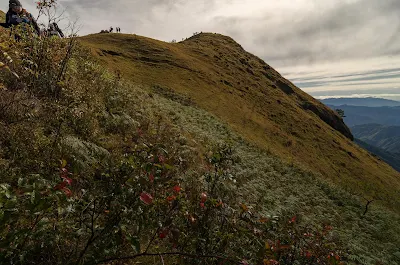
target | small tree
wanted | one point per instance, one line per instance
(340, 112)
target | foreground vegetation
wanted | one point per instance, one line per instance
(95, 170)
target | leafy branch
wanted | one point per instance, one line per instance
(193, 256)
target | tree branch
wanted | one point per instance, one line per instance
(158, 230)
(169, 254)
(366, 206)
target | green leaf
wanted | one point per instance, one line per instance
(35, 197)
(168, 167)
(20, 182)
(8, 194)
(135, 243)
(10, 205)
(5, 186)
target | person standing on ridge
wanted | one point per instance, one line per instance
(16, 15)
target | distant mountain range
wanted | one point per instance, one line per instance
(375, 124)
(381, 136)
(366, 102)
(358, 115)
(392, 159)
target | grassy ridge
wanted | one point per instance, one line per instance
(116, 140)
(215, 73)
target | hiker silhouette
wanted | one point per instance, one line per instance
(16, 15)
(54, 31)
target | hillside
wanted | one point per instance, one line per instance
(358, 115)
(215, 73)
(381, 136)
(393, 159)
(366, 102)
(97, 169)
(2, 16)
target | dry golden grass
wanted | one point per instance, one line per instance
(255, 100)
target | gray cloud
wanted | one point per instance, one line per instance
(339, 29)
(360, 29)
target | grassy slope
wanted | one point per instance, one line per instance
(265, 109)
(275, 188)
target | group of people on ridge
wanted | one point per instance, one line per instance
(17, 15)
(117, 29)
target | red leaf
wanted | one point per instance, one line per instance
(177, 188)
(220, 203)
(202, 205)
(146, 198)
(161, 158)
(64, 172)
(67, 180)
(203, 197)
(293, 220)
(67, 192)
(163, 234)
(171, 198)
(60, 186)
(151, 178)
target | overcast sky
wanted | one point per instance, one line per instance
(326, 47)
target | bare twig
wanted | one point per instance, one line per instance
(158, 230)
(366, 206)
(194, 256)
